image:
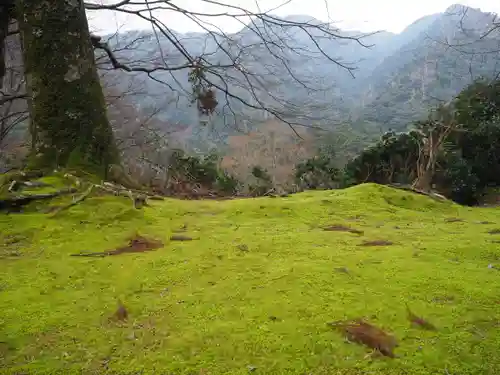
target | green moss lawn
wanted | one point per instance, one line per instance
(253, 291)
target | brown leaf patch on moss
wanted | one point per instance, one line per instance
(121, 313)
(137, 244)
(376, 243)
(418, 321)
(180, 237)
(364, 333)
(342, 228)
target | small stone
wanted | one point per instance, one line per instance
(132, 336)
(342, 270)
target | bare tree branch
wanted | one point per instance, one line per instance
(4, 98)
(229, 65)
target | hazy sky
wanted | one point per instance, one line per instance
(363, 15)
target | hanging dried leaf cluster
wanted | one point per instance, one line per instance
(203, 92)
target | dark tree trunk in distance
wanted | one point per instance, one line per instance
(6, 8)
(69, 124)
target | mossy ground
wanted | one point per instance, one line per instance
(211, 306)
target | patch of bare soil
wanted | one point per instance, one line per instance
(363, 333)
(376, 243)
(342, 228)
(137, 244)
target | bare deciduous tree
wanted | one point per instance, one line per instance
(435, 131)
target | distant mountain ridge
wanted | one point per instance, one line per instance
(396, 80)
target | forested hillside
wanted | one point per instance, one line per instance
(395, 78)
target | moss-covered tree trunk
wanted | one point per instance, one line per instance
(69, 123)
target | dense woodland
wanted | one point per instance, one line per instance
(242, 114)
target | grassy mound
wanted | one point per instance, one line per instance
(249, 285)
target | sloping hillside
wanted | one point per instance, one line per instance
(425, 70)
(254, 288)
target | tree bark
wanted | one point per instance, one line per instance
(424, 181)
(69, 123)
(5, 15)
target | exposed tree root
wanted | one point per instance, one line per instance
(81, 198)
(15, 203)
(139, 198)
(431, 194)
(14, 182)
